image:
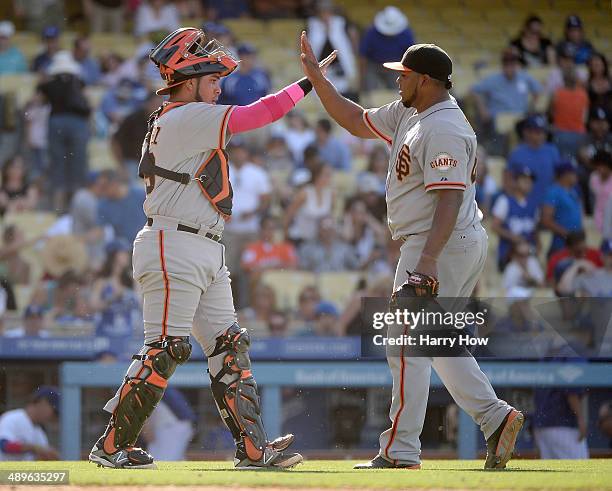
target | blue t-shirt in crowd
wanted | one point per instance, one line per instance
(240, 89)
(568, 212)
(504, 95)
(378, 48)
(125, 215)
(336, 153)
(12, 61)
(552, 408)
(540, 161)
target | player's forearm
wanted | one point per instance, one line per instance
(345, 112)
(267, 109)
(575, 403)
(445, 219)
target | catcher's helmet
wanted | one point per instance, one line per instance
(187, 53)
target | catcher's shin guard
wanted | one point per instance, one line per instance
(140, 393)
(235, 391)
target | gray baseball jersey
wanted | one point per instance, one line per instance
(432, 150)
(183, 137)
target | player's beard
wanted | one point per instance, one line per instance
(409, 101)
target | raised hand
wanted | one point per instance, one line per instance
(313, 69)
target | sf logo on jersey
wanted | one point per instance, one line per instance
(402, 165)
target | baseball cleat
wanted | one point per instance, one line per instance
(272, 459)
(282, 442)
(127, 458)
(379, 462)
(500, 445)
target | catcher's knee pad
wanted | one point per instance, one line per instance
(235, 391)
(139, 394)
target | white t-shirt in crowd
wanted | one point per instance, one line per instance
(16, 426)
(514, 275)
(249, 184)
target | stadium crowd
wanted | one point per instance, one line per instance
(308, 197)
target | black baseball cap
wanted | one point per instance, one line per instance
(427, 59)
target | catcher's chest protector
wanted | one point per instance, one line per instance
(212, 176)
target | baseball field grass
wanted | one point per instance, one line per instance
(326, 474)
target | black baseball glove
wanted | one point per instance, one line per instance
(418, 285)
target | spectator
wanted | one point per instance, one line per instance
(297, 134)
(113, 297)
(121, 100)
(536, 154)
(569, 108)
(156, 15)
(565, 65)
(328, 32)
(574, 35)
(90, 68)
(575, 248)
(521, 317)
(306, 313)
(221, 33)
(600, 83)
(12, 60)
(607, 222)
(362, 231)
(533, 47)
(561, 208)
(84, 215)
(262, 305)
(515, 216)
(267, 252)
(523, 270)
(378, 166)
(278, 157)
(601, 185)
(597, 139)
(486, 186)
(22, 434)
(249, 83)
(68, 127)
(15, 269)
(32, 326)
(36, 118)
(62, 254)
(328, 252)
(512, 90)
(604, 420)
(559, 424)
(326, 322)
(368, 189)
(64, 301)
(252, 195)
(126, 141)
(51, 40)
(105, 15)
(311, 203)
(278, 324)
(332, 151)
(386, 39)
(170, 428)
(121, 208)
(34, 14)
(582, 278)
(111, 64)
(16, 192)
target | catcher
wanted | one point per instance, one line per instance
(179, 262)
(431, 207)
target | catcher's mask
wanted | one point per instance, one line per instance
(187, 53)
